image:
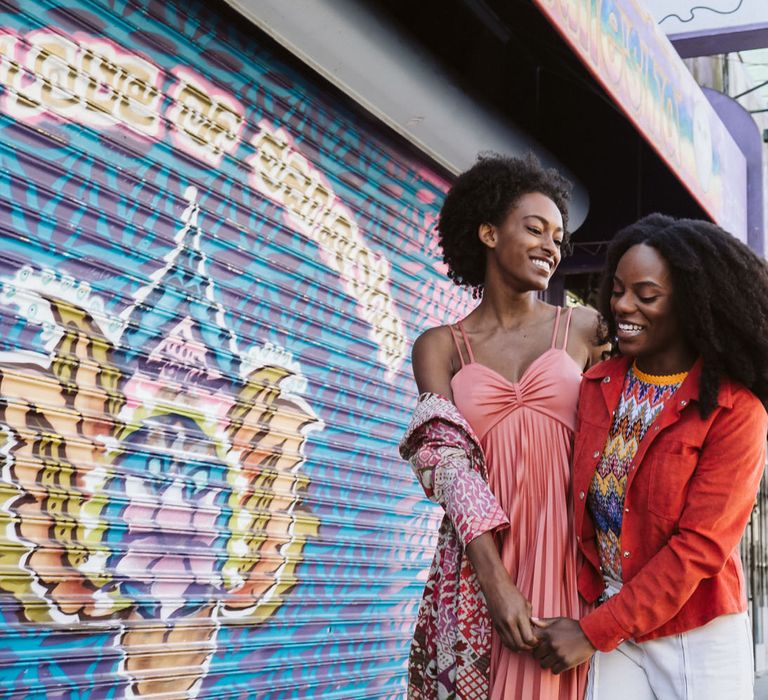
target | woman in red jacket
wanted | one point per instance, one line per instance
(669, 451)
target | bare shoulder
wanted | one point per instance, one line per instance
(434, 358)
(434, 340)
(585, 320)
(586, 323)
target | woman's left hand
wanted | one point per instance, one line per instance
(562, 644)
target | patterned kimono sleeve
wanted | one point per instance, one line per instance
(440, 455)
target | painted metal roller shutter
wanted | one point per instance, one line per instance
(211, 271)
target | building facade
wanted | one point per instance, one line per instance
(215, 257)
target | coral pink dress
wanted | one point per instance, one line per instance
(526, 433)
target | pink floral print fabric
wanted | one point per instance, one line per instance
(450, 651)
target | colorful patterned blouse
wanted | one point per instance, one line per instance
(642, 399)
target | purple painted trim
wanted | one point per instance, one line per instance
(748, 138)
(708, 42)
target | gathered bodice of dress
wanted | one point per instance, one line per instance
(526, 431)
(549, 386)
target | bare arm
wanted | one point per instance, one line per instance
(586, 324)
(510, 611)
(435, 361)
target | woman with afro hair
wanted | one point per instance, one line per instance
(491, 440)
(669, 451)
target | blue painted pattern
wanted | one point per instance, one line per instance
(212, 269)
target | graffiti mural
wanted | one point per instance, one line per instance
(210, 275)
(201, 472)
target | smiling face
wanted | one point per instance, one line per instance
(525, 248)
(642, 306)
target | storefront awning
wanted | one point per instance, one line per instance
(357, 48)
(638, 67)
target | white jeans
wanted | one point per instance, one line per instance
(713, 662)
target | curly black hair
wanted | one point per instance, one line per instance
(720, 298)
(485, 194)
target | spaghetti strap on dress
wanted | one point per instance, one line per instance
(466, 344)
(526, 432)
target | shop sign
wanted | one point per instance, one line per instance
(637, 65)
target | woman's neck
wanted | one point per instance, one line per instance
(672, 361)
(507, 308)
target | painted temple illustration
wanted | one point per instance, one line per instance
(151, 472)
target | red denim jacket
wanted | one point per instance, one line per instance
(689, 494)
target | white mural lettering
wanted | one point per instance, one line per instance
(89, 81)
(284, 175)
(207, 120)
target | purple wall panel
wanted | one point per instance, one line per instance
(211, 272)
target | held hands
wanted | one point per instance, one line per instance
(511, 616)
(558, 643)
(510, 611)
(562, 644)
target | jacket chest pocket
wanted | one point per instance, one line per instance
(669, 476)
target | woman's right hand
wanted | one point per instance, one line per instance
(509, 609)
(511, 615)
